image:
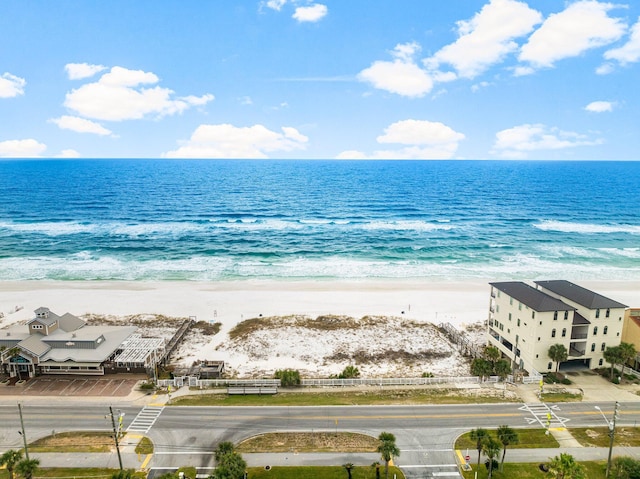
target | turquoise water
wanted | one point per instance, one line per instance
(229, 220)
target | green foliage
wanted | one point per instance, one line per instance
(288, 377)
(147, 386)
(349, 372)
(627, 352)
(554, 378)
(387, 449)
(27, 467)
(427, 375)
(121, 475)
(479, 435)
(626, 468)
(565, 466)
(507, 436)
(558, 353)
(230, 466)
(224, 448)
(491, 449)
(10, 459)
(481, 367)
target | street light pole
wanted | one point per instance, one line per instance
(612, 432)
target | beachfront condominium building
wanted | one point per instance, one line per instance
(525, 321)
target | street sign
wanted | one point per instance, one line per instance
(467, 458)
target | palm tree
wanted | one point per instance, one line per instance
(27, 467)
(558, 353)
(348, 466)
(387, 449)
(377, 466)
(613, 356)
(566, 467)
(479, 435)
(224, 448)
(481, 367)
(492, 354)
(10, 459)
(506, 436)
(491, 449)
(627, 352)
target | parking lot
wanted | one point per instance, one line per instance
(116, 386)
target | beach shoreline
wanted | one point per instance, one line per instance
(458, 302)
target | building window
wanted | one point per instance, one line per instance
(553, 333)
(519, 306)
(36, 326)
(600, 362)
(533, 315)
(538, 338)
(604, 330)
(593, 347)
(497, 308)
(603, 346)
(606, 315)
(549, 366)
(518, 321)
(566, 315)
(595, 330)
(511, 301)
(555, 315)
(564, 332)
(509, 316)
(597, 313)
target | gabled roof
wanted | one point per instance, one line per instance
(579, 319)
(530, 296)
(47, 321)
(34, 345)
(69, 322)
(580, 295)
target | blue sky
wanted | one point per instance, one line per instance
(350, 79)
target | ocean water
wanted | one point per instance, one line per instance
(233, 220)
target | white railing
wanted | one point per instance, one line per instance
(212, 383)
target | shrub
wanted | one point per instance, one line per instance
(349, 372)
(288, 377)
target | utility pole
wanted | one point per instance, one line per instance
(116, 433)
(24, 436)
(612, 433)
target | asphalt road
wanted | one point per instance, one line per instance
(187, 435)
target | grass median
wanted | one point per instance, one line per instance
(360, 397)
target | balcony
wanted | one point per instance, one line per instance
(579, 335)
(573, 352)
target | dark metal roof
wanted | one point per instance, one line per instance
(532, 297)
(580, 295)
(579, 319)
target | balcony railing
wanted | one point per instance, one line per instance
(575, 353)
(579, 335)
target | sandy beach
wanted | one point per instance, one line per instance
(460, 303)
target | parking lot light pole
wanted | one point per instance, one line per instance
(612, 432)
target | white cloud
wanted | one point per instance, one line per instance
(425, 140)
(11, 85)
(229, 141)
(78, 71)
(21, 148)
(119, 95)
(275, 4)
(605, 68)
(581, 26)
(401, 76)
(80, 125)
(516, 142)
(420, 132)
(312, 13)
(68, 154)
(599, 106)
(487, 38)
(630, 51)
(478, 86)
